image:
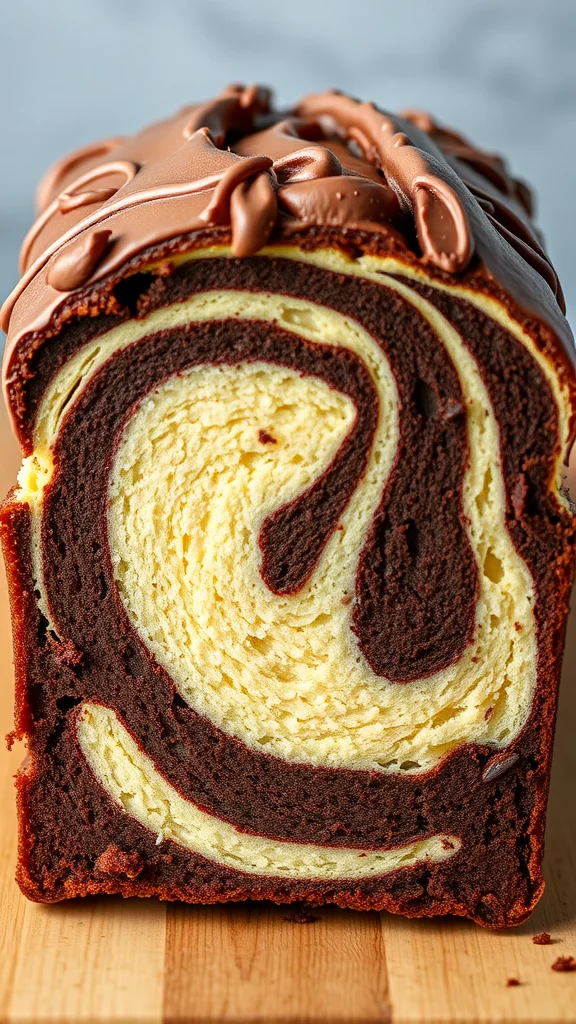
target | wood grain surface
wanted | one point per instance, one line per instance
(139, 960)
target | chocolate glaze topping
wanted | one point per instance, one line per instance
(233, 161)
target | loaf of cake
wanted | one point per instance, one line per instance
(289, 554)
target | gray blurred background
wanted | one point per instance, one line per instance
(502, 71)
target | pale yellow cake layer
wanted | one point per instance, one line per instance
(131, 779)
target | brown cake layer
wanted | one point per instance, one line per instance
(499, 821)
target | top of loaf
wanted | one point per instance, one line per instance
(331, 162)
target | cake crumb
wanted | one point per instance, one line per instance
(10, 739)
(543, 939)
(115, 861)
(164, 269)
(65, 650)
(512, 983)
(519, 496)
(299, 915)
(564, 963)
(69, 654)
(265, 438)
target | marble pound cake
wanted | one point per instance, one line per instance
(289, 554)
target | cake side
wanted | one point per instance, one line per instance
(301, 569)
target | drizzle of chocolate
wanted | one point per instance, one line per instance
(253, 212)
(67, 202)
(244, 198)
(507, 202)
(66, 168)
(441, 222)
(72, 199)
(333, 161)
(306, 164)
(490, 165)
(73, 266)
(234, 110)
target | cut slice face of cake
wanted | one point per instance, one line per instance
(289, 553)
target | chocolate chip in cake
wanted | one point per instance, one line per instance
(497, 766)
(265, 438)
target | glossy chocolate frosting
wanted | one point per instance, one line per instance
(235, 162)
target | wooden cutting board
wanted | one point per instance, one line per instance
(140, 960)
